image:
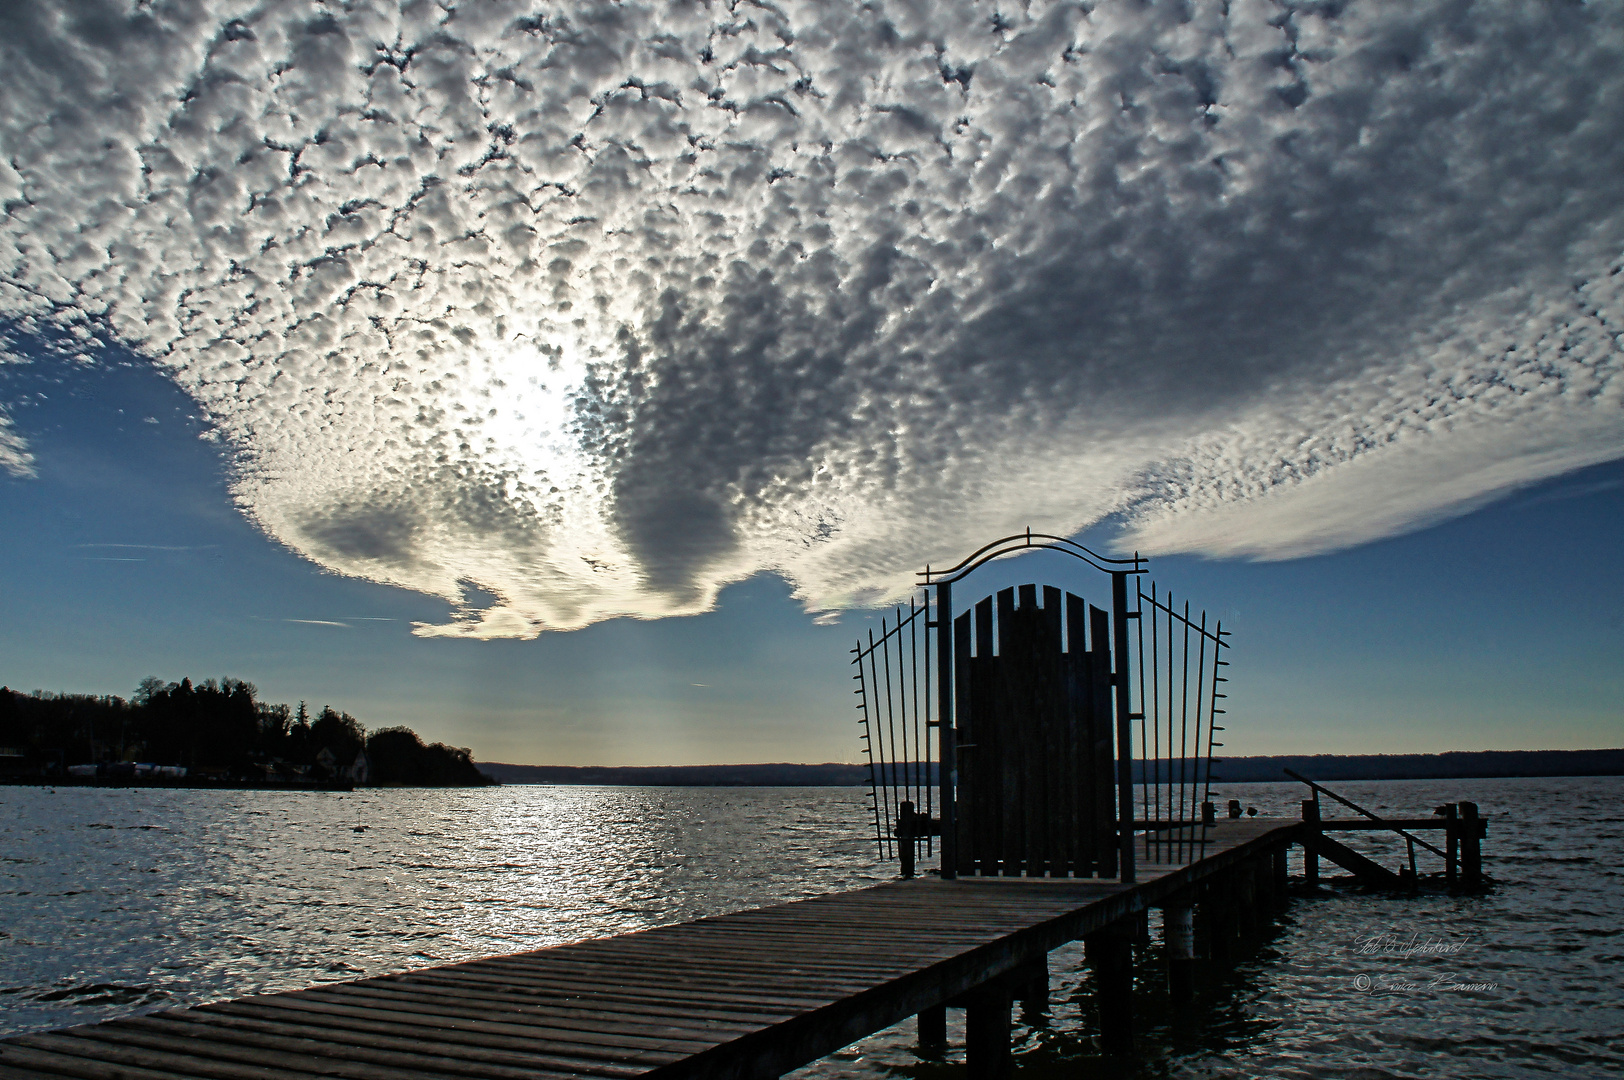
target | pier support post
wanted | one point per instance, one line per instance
(1218, 918)
(1263, 889)
(1311, 815)
(1471, 846)
(1248, 919)
(933, 1029)
(1281, 878)
(1031, 988)
(1178, 940)
(986, 1031)
(1110, 953)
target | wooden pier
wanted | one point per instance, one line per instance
(749, 994)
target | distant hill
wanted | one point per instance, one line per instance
(1454, 765)
(1461, 764)
(832, 774)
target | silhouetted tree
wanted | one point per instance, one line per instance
(216, 726)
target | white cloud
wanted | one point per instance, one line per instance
(573, 311)
(14, 456)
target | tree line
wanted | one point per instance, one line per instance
(216, 729)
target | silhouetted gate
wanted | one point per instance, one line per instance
(1038, 743)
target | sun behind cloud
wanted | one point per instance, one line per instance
(565, 312)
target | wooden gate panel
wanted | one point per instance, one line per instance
(1036, 790)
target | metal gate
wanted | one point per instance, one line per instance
(1040, 760)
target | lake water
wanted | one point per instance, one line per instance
(120, 901)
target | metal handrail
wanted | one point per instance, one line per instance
(1350, 804)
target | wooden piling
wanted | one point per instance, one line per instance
(1110, 953)
(1281, 877)
(1178, 940)
(1311, 815)
(986, 1031)
(933, 1030)
(1218, 918)
(1471, 849)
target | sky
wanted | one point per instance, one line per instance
(573, 382)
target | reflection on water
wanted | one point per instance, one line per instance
(117, 901)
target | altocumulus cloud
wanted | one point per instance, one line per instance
(566, 311)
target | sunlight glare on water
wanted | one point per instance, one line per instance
(120, 901)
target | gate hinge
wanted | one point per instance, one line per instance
(1136, 716)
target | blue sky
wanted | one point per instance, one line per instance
(125, 556)
(569, 380)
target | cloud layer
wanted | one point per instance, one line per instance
(564, 312)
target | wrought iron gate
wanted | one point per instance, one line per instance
(1038, 742)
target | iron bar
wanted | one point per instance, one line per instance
(868, 748)
(879, 730)
(947, 734)
(1212, 721)
(1124, 725)
(1200, 683)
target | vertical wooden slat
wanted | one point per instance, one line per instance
(1080, 680)
(989, 801)
(1054, 737)
(1005, 688)
(1101, 718)
(1026, 669)
(965, 816)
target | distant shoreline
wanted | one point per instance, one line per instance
(183, 783)
(1480, 764)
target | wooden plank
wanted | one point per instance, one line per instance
(365, 1029)
(964, 793)
(1080, 755)
(983, 702)
(1056, 738)
(697, 968)
(1101, 717)
(587, 1029)
(324, 1058)
(405, 1050)
(1006, 679)
(600, 1012)
(35, 1062)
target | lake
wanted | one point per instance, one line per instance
(115, 901)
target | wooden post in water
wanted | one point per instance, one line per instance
(1178, 940)
(1110, 953)
(1451, 842)
(1218, 918)
(1311, 815)
(986, 1031)
(1281, 879)
(1248, 919)
(1263, 890)
(1471, 848)
(933, 1029)
(1031, 989)
(905, 837)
